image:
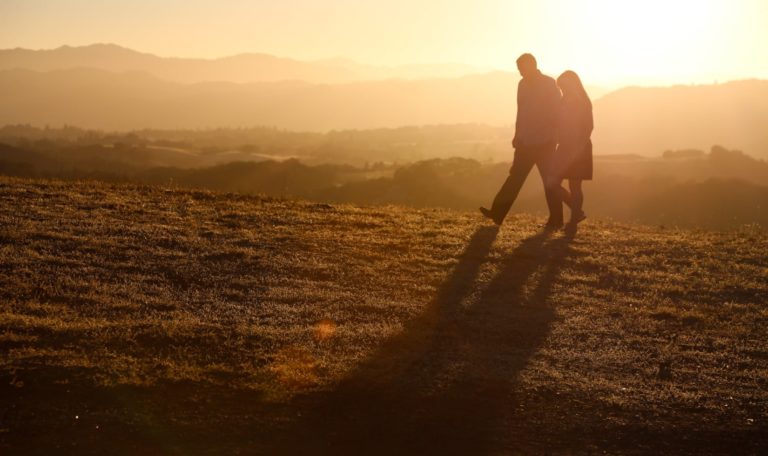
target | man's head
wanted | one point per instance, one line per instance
(526, 64)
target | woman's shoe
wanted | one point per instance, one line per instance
(551, 226)
(576, 218)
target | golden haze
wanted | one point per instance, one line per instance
(608, 42)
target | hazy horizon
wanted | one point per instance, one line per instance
(658, 72)
(329, 58)
(610, 44)
(341, 59)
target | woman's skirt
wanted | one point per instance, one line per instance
(569, 162)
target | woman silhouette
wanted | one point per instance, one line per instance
(573, 157)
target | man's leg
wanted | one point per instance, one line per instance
(524, 160)
(552, 194)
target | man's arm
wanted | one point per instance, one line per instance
(515, 142)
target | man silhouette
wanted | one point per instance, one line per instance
(538, 100)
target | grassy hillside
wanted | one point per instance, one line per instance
(139, 320)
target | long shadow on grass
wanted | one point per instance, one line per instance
(446, 383)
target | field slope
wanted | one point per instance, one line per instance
(145, 320)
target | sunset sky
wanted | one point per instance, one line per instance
(609, 42)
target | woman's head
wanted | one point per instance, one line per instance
(570, 83)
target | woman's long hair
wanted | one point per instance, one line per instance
(570, 80)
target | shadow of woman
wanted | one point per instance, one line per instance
(445, 384)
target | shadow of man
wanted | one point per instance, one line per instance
(445, 384)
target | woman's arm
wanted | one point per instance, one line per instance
(587, 124)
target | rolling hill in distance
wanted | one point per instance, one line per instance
(114, 88)
(252, 67)
(638, 120)
(133, 100)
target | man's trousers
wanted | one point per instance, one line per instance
(525, 159)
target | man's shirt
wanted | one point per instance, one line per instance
(538, 100)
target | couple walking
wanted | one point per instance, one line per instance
(552, 131)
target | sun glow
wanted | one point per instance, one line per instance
(642, 37)
(650, 41)
(610, 42)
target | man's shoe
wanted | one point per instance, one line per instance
(487, 213)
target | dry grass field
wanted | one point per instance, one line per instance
(146, 320)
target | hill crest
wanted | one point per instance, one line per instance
(243, 67)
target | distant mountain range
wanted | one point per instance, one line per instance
(238, 68)
(639, 120)
(113, 88)
(122, 101)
